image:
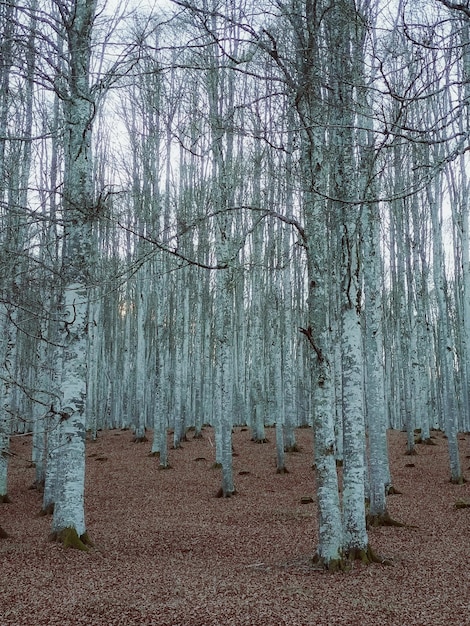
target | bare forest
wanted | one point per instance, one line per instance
(234, 245)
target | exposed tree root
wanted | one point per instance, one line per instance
(458, 481)
(140, 439)
(282, 470)
(177, 445)
(392, 491)
(48, 510)
(260, 440)
(37, 484)
(374, 521)
(165, 467)
(344, 564)
(426, 442)
(225, 494)
(155, 454)
(5, 499)
(69, 538)
(333, 565)
(216, 465)
(293, 448)
(462, 504)
(366, 556)
(412, 452)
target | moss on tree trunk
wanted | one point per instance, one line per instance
(344, 564)
(69, 538)
(364, 555)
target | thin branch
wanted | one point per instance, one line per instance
(456, 6)
(173, 251)
(308, 333)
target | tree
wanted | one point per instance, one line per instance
(79, 210)
(308, 98)
(16, 124)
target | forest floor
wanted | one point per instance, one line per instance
(169, 553)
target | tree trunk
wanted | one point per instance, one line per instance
(68, 522)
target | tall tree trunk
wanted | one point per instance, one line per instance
(445, 340)
(309, 105)
(342, 33)
(68, 522)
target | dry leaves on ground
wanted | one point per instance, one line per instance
(169, 553)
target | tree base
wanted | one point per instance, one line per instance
(345, 563)
(69, 538)
(291, 449)
(384, 519)
(411, 452)
(334, 565)
(177, 444)
(3, 534)
(37, 485)
(225, 494)
(426, 442)
(5, 499)
(282, 470)
(142, 439)
(366, 556)
(48, 510)
(260, 440)
(458, 481)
